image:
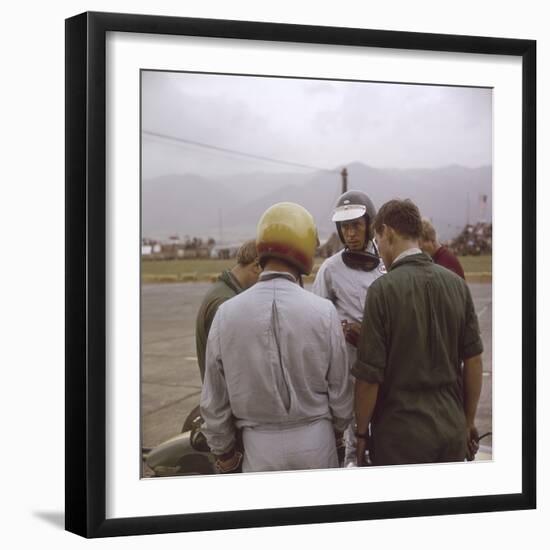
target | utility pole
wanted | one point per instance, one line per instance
(220, 224)
(344, 174)
(482, 208)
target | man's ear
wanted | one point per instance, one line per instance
(378, 234)
(390, 234)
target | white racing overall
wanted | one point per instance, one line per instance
(347, 289)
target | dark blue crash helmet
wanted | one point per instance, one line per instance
(352, 205)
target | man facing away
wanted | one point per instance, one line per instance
(276, 362)
(345, 277)
(418, 370)
(230, 283)
(440, 254)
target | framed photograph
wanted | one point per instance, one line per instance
(180, 134)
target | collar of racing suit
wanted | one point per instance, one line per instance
(268, 275)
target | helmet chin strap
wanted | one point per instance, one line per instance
(361, 260)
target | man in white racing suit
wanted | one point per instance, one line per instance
(345, 277)
(276, 363)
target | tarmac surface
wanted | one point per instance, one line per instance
(170, 381)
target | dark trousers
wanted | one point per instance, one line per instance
(410, 450)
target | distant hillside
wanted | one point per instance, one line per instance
(440, 194)
(192, 205)
(196, 206)
(181, 204)
(252, 186)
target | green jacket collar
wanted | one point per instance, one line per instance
(231, 281)
(417, 259)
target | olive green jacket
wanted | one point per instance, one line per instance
(223, 289)
(419, 326)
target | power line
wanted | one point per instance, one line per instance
(234, 152)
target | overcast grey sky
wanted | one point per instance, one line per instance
(326, 124)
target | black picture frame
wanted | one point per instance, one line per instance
(86, 273)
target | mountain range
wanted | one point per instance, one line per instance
(228, 208)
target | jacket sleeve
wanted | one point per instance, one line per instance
(322, 285)
(211, 311)
(340, 389)
(371, 360)
(219, 427)
(473, 345)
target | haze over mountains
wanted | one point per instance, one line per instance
(228, 208)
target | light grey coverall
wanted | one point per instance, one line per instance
(347, 289)
(276, 366)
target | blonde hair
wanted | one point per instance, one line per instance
(247, 253)
(428, 231)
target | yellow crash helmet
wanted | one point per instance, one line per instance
(287, 231)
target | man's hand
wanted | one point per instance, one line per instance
(340, 446)
(229, 463)
(472, 442)
(352, 332)
(360, 450)
(473, 378)
(365, 401)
